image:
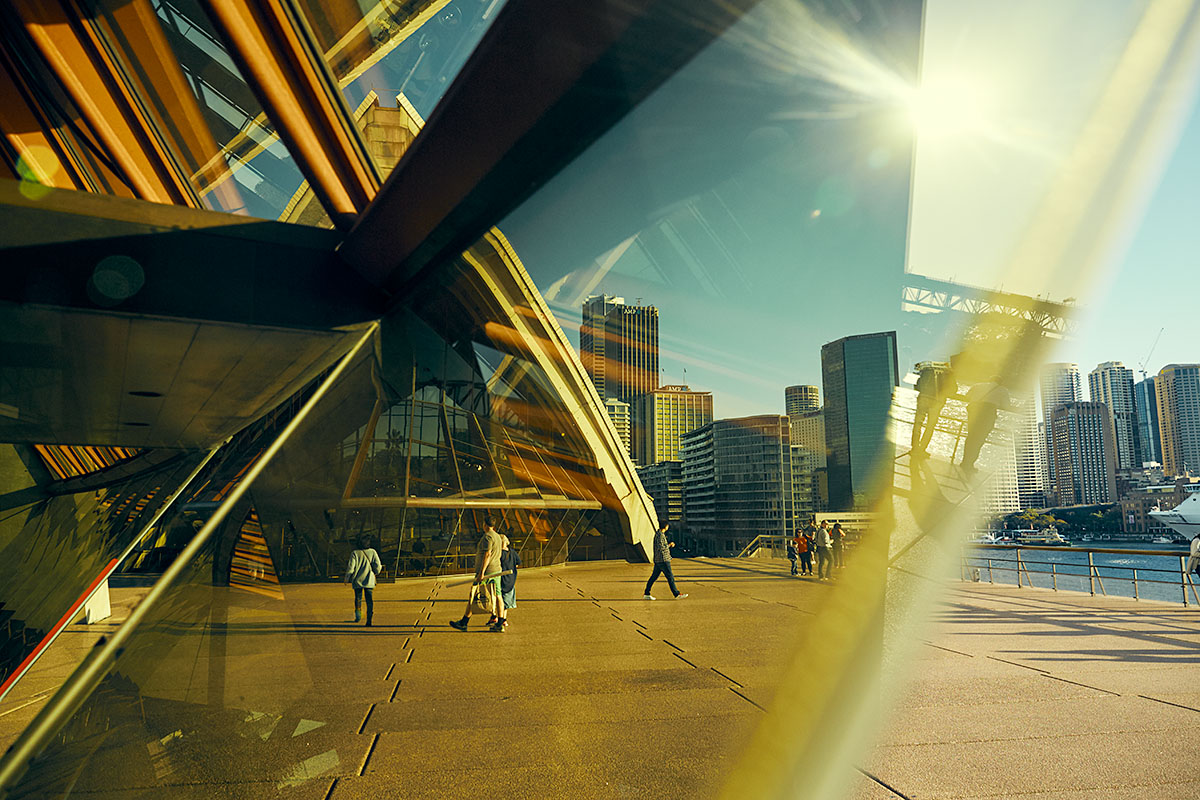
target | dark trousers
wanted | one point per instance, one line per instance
(839, 559)
(359, 592)
(824, 562)
(662, 569)
(806, 563)
(794, 570)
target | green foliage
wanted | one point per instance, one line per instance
(1096, 519)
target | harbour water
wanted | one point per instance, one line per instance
(1157, 574)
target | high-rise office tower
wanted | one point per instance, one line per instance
(618, 345)
(1084, 446)
(806, 491)
(808, 431)
(737, 482)
(1028, 446)
(1059, 384)
(664, 483)
(1111, 383)
(618, 412)
(661, 416)
(858, 376)
(801, 400)
(1146, 402)
(1177, 389)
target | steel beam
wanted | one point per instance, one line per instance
(273, 47)
(547, 80)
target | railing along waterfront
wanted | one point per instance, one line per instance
(1140, 574)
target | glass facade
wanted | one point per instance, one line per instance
(743, 170)
(859, 374)
(211, 126)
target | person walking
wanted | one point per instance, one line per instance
(934, 385)
(838, 536)
(487, 581)
(824, 557)
(792, 553)
(984, 402)
(360, 573)
(662, 564)
(509, 561)
(804, 546)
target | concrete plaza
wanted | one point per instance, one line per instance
(596, 693)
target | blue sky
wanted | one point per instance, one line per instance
(761, 198)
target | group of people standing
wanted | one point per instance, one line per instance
(494, 586)
(829, 545)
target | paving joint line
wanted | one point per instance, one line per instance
(684, 660)
(884, 784)
(619, 619)
(1019, 664)
(1168, 703)
(677, 647)
(389, 672)
(363, 727)
(1084, 685)
(949, 650)
(410, 655)
(370, 752)
(651, 638)
(726, 677)
(395, 691)
(747, 699)
(332, 786)
(640, 625)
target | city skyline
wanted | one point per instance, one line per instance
(783, 227)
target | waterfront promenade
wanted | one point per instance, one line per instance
(595, 693)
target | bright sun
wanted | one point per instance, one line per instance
(942, 109)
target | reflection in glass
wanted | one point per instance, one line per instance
(206, 117)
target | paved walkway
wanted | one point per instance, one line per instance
(1029, 693)
(595, 693)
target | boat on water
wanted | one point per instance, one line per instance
(1045, 537)
(983, 537)
(1184, 518)
(1162, 540)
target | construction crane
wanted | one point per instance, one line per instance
(1146, 360)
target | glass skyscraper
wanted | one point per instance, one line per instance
(858, 375)
(1146, 401)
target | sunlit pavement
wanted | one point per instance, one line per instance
(1035, 694)
(596, 693)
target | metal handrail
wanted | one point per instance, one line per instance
(1180, 577)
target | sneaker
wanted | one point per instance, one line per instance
(497, 628)
(680, 596)
(647, 597)
(368, 623)
(459, 624)
(492, 620)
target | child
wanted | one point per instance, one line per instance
(791, 555)
(509, 561)
(804, 544)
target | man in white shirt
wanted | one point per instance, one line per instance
(487, 576)
(360, 573)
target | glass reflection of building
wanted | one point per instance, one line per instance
(166, 336)
(858, 375)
